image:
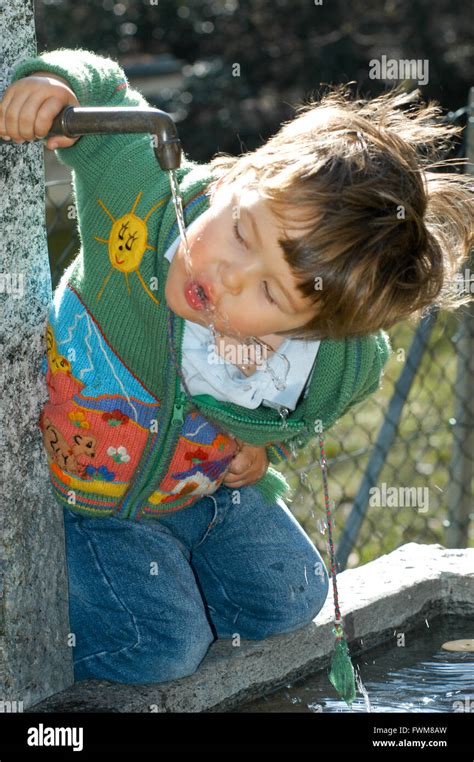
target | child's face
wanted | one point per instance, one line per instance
(237, 273)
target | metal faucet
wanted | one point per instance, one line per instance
(100, 120)
(74, 121)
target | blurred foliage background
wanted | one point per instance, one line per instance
(184, 57)
(286, 50)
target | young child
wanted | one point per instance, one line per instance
(315, 243)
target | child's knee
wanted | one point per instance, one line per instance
(307, 606)
(316, 600)
(303, 603)
(188, 655)
(309, 596)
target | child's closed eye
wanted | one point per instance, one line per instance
(241, 240)
(238, 236)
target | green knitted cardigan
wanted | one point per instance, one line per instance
(114, 171)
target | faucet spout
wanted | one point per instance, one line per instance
(74, 121)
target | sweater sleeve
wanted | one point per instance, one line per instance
(379, 350)
(96, 81)
(281, 452)
(277, 452)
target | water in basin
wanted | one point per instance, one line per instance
(417, 677)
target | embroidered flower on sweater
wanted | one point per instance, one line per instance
(78, 419)
(115, 418)
(119, 454)
(102, 473)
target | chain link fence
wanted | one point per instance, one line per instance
(400, 467)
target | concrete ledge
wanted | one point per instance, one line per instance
(392, 593)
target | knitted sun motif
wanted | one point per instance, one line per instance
(127, 244)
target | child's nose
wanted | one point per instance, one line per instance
(231, 280)
(234, 276)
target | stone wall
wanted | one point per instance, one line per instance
(35, 660)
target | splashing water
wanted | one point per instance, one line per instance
(304, 479)
(210, 312)
(421, 677)
(178, 205)
(293, 448)
(363, 691)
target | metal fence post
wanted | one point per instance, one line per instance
(462, 461)
(35, 659)
(385, 437)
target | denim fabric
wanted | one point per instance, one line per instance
(147, 598)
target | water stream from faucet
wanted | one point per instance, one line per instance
(211, 313)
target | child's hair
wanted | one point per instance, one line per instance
(384, 233)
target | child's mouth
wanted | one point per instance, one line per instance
(196, 296)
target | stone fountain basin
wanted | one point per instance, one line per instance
(397, 591)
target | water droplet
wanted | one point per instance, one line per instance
(362, 690)
(303, 478)
(322, 526)
(293, 448)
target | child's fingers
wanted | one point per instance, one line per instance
(247, 467)
(37, 116)
(17, 122)
(250, 476)
(27, 112)
(237, 472)
(239, 464)
(44, 119)
(235, 481)
(60, 141)
(248, 458)
(30, 118)
(8, 116)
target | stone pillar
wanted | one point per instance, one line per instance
(35, 660)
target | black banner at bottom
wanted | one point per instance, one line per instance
(79, 735)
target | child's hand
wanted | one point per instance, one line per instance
(247, 466)
(29, 106)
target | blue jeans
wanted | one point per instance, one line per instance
(147, 598)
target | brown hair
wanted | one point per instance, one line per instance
(384, 233)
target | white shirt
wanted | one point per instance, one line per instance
(206, 372)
